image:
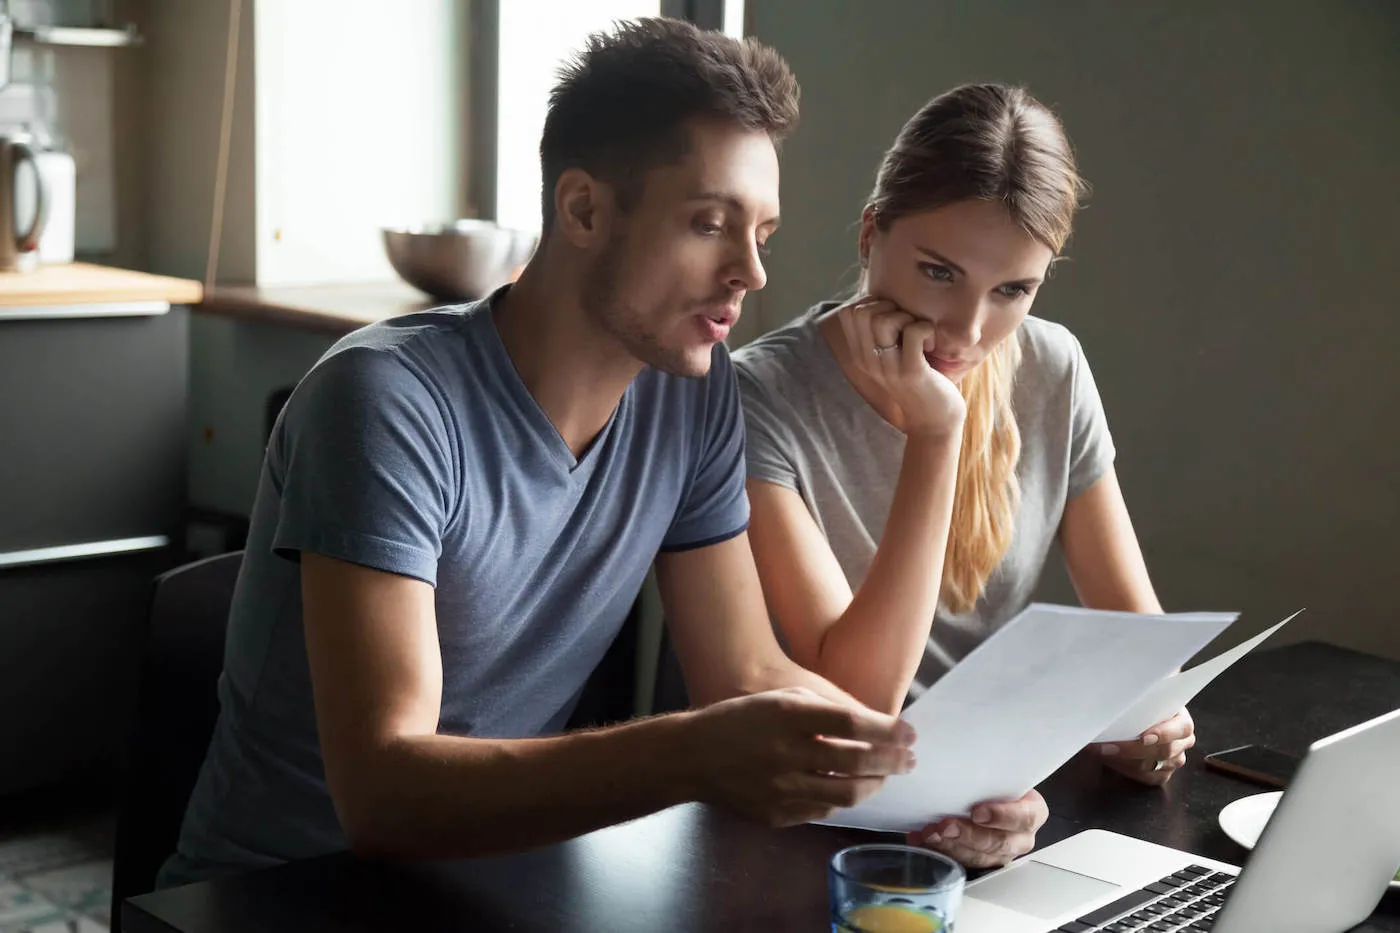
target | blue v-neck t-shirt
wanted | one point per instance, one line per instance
(413, 447)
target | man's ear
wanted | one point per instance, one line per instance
(584, 208)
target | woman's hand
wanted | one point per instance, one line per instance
(1156, 755)
(888, 345)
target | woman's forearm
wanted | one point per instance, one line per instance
(874, 649)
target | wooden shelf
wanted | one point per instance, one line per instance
(334, 309)
(79, 283)
(91, 36)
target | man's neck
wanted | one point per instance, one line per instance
(576, 373)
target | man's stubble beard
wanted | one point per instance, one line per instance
(605, 306)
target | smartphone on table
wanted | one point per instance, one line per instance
(1258, 763)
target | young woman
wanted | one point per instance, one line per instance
(915, 451)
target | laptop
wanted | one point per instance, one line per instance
(1321, 865)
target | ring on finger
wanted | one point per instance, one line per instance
(1158, 765)
(880, 350)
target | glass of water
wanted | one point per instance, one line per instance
(894, 889)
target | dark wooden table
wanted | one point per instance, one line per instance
(694, 868)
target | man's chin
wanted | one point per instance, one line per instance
(692, 363)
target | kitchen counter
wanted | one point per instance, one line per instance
(81, 283)
(334, 309)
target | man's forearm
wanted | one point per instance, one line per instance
(446, 796)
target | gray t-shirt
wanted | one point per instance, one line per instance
(811, 431)
(414, 447)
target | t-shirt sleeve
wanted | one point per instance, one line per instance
(363, 458)
(715, 507)
(768, 455)
(1091, 449)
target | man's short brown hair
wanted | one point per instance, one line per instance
(621, 105)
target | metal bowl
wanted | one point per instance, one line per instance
(457, 261)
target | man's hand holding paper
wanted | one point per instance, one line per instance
(998, 831)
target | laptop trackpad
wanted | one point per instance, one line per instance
(1040, 890)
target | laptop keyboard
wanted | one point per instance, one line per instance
(1186, 901)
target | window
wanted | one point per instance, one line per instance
(536, 36)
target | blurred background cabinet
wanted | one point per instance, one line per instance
(92, 485)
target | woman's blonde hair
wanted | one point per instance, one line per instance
(983, 142)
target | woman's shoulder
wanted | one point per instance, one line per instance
(782, 353)
(1048, 350)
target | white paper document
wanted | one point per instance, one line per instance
(1170, 695)
(1024, 702)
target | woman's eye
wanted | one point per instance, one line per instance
(764, 249)
(938, 273)
(1014, 291)
(709, 229)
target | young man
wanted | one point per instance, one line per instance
(458, 508)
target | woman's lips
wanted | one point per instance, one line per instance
(945, 366)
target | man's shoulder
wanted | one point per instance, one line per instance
(433, 336)
(435, 353)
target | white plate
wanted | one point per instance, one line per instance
(1243, 820)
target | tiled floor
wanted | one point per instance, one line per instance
(55, 866)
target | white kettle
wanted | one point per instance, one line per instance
(19, 250)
